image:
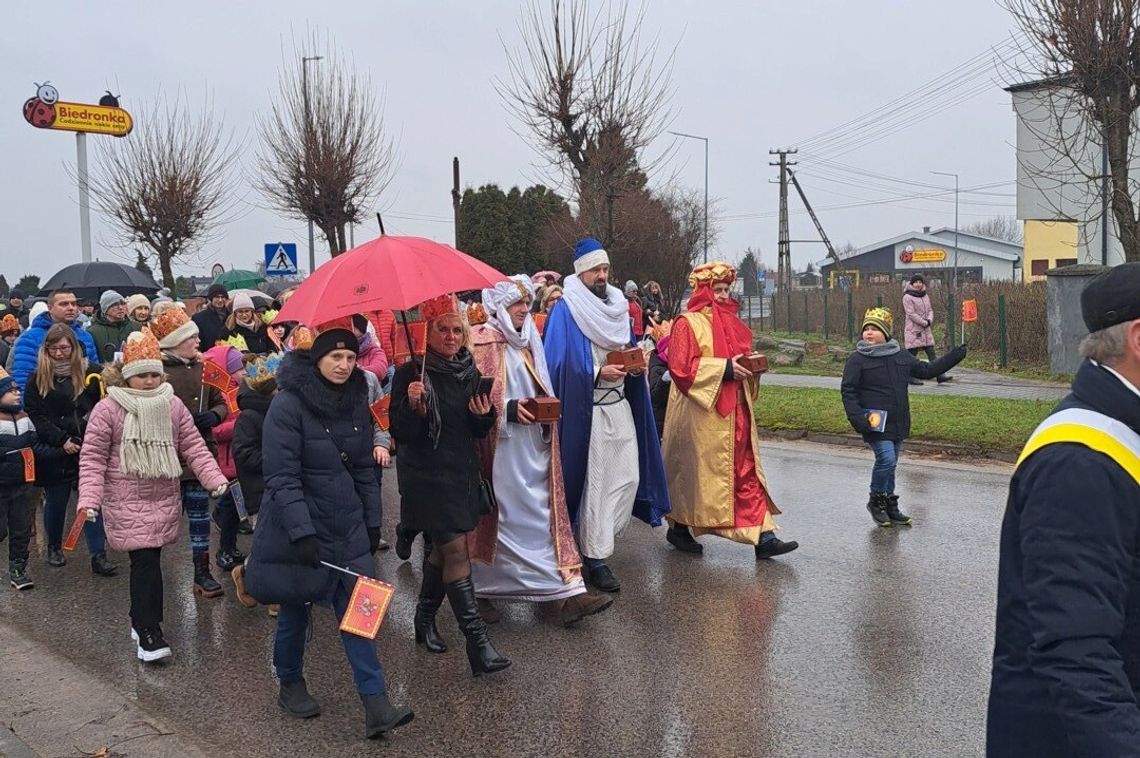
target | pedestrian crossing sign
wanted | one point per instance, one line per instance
(281, 259)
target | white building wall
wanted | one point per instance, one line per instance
(993, 268)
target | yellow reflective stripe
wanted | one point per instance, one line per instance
(1094, 439)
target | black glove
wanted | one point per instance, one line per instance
(308, 551)
(373, 539)
(206, 420)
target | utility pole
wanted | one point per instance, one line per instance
(455, 196)
(784, 244)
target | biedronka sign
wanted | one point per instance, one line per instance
(46, 111)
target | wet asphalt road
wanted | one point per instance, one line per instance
(865, 642)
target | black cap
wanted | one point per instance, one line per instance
(17, 295)
(1112, 297)
(215, 290)
(333, 339)
(917, 278)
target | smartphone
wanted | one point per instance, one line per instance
(486, 384)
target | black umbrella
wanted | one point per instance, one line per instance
(90, 280)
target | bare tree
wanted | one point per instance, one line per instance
(590, 95)
(1006, 228)
(1088, 53)
(168, 186)
(325, 153)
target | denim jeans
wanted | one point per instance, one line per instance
(289, 646)
(886, 458)
(56, 499)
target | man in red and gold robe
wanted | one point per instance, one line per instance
(711, 451)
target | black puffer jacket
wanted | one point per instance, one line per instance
(59, 417)
(319, 480)
(257, 342)
(17, 433)
(439, 486)
(246, 445)
(882, 383)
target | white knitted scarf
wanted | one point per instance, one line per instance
(147, 449)
(604, 322)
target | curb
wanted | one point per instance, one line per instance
(918, 447)
(12, 746)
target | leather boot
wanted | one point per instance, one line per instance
(576, 608)
(296, 700)
(431, 597)
(877, 507)
(204, 583)
(896, 516)
(482, 656)
(101, 565)
(381, 716)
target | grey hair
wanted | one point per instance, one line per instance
(1107, 345)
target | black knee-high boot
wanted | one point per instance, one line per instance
(431, 597)
(482, 656)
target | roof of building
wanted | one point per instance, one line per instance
(936, 241)
(975, 235)
(1049, 82)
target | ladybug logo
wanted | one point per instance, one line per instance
(39, 111)
(907, 255)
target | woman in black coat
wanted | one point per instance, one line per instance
(877, 378)
(321, 504)
(436, 419)
(58, 398)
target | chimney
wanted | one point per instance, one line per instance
(926, 230)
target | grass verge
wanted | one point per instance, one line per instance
(988, 423)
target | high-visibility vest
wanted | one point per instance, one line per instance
(1095, 431)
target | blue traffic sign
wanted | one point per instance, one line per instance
(281, 259)
(761, 275)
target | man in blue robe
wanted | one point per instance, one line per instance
(611, 455)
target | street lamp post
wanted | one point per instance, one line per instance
(305, 94)
(954, 284)
(706, 141)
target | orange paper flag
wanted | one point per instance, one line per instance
(73, 536)
(367, 607)
(217, 377)
(29, 464)
(969, 311)
(379, 411)
(418, 330)
(540, 322)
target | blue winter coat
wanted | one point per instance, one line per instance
(1066, 666)
(319, 480)
(27, 348)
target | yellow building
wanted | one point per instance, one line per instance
(1048, 244)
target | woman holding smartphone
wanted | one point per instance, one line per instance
(439, 408)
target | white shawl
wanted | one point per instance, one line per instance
(604, 322)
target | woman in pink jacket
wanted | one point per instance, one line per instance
(918, 332)
(129, 469)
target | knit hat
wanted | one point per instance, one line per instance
(9, 324)
(17, 294)
(110, 298)
(216, 290)
(881, 319)
(334, 339)
(7, 383)
(226, 356)
(263, 371)
(160, 299)
(134, 302)
(36, 310)
(242, 300)
(589, 253)
(141, 354)
(917, 278)
(630, 286)
(172, 327)
(1112, 297)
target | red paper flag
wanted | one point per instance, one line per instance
(366, 607)
(217, 377)
(379, 411)
(969, 311)
(29, 464)
(76, 529)
(419, 340)
(540, 322)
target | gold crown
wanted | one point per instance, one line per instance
(263, 369)
(236, 341)
(476, 314)
(141, 346)
(717, 271)
(302, 338)
(9, 324)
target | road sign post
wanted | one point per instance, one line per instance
(281, 259)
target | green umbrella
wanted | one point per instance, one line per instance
(239, 279)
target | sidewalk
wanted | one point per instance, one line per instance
(967, 383)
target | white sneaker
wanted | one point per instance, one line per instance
(151, 646)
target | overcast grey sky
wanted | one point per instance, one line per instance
(749, 75)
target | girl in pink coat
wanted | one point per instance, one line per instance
(129, 469)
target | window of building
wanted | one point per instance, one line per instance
(1039, 267)
(1066, 262)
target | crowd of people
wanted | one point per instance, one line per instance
(526, 435)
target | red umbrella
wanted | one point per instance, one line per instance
(388, 273)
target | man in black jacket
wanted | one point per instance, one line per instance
(1067, 654)
(211, 320)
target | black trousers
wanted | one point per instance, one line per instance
(930, 354)
(146, 587)
(16, 515)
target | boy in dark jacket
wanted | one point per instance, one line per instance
(19, 447)
(876, 381)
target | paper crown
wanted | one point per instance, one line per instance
(9, 324)
(444, 305)
(236, 341)
(880, 318)
(476, 314)
(661, 331)
(302, 338)
(268, 317)
(263, 369)
(717, 271)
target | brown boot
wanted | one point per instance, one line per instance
(488, 611)
(576, 608)
(238, 575)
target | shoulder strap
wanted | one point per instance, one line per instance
(1095, 431)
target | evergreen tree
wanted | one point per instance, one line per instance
(4, 288)
(29, 283)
